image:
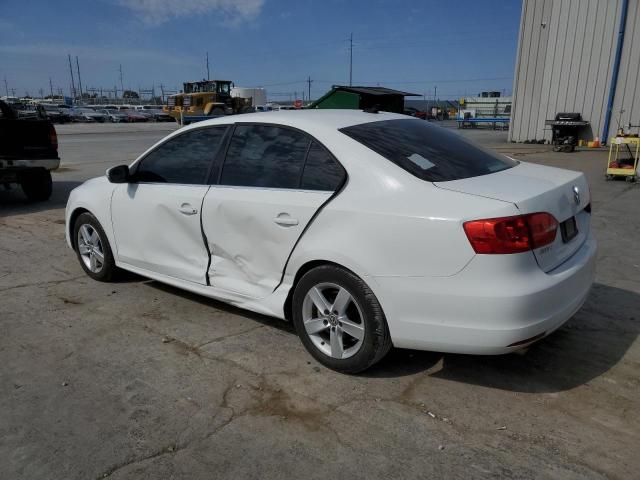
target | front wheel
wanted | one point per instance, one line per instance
(339, 319)
(93, 249)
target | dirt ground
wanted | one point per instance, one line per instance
(139, 380)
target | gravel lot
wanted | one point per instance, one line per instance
(140, 380)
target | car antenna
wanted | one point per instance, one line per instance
(373, 109)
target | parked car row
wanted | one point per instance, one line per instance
(103, 113)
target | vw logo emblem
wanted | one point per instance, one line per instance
(576, 195)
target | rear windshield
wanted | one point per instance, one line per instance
(426, 151)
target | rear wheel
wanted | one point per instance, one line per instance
(93, 249)
(339, 320)
(36, 184)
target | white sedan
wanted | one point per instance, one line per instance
(367, 230)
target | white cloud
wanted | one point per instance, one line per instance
(156, 12)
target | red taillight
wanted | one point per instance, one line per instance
(511, 234)
(53, 137)
(543, 227)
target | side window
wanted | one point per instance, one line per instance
(265, 156)
(183, 159)
(321, 171)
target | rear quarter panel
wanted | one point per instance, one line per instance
(386, 222)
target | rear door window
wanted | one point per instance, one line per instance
(265, 156)
(426, 151)
(321, 171)
(184, 159)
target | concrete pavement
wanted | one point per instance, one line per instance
(140, 380)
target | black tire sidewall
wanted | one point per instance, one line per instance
(109, 268)
(376, 341)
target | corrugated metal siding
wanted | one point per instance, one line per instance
(565, 57)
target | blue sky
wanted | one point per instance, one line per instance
(460, 47)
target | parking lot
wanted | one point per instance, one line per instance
(138, 379)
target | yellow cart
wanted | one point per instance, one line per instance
(623, 158)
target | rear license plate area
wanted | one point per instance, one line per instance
(569, 229)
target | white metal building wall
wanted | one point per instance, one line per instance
(565, 58)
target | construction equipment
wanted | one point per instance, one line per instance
(624, 152)
(565, 129)
(205, 99)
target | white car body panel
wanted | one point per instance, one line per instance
(157, 228)
(402, 235)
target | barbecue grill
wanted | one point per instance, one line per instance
(565, 128)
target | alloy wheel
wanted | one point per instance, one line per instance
(333, 320)
(90, 248)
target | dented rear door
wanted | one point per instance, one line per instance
(273, 182)
(251, 232)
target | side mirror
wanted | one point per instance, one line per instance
(119, 174)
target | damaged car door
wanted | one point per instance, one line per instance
(273, 180)
(156, 216)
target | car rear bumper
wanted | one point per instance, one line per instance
(21, 164)
(496, 305)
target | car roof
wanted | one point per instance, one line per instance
(312, 119)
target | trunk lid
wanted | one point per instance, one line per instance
(537, 188)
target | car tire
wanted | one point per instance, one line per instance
(36, 184)
(102, 266)
(361, 318)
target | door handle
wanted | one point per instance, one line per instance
(187, 209)
(285, 221)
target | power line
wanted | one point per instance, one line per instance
(416, 82)
(279, 84)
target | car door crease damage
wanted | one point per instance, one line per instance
(205, 240)
(313, 218)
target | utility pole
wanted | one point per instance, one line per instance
(79, 80)
(121, 83)
(6, 86)
(435, 92)
(309, 81)
(208, 78)
(73, 84)
(350, 59)
(51, 87)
